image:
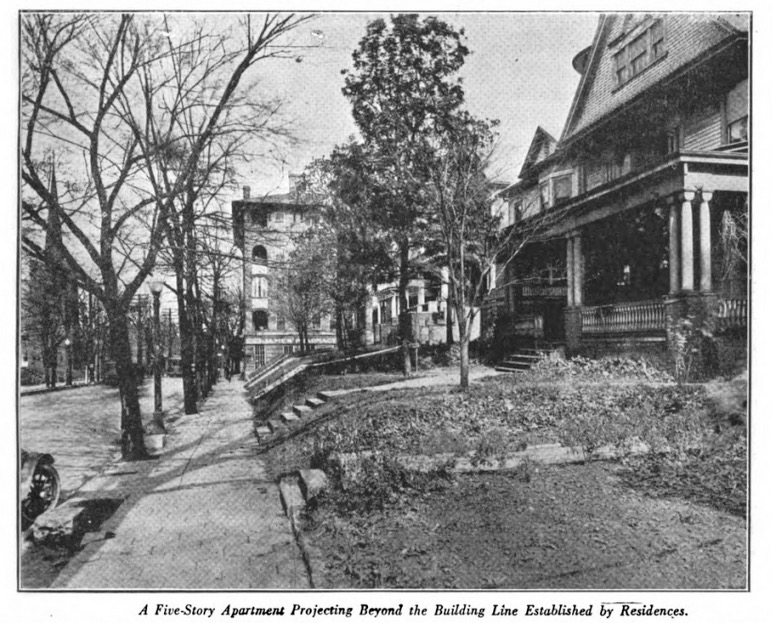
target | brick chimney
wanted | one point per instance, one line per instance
(246, 190)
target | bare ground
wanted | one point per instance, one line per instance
(573, 527)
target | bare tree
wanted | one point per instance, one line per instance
(201, 120)
(474, 243)
(97, 91)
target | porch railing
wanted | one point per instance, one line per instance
(732, 314)
(530, 325)
(624, 317)
(532, 291)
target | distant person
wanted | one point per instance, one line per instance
(228, 372)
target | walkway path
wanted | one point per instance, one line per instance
(204, 515)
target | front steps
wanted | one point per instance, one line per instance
(288, 421)
(524, 358)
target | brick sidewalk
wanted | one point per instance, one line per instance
(202, 516)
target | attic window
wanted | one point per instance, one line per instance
(647, 47)
(737, 113)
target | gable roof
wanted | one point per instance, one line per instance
(542, 145)
(687, 37)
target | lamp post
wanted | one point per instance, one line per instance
(68, 362)
(155, 285)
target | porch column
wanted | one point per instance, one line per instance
(674, 247)
(421, 296)
(706, 277)
(578, 271)
(394, 309)
(570, 270)
(687, 241)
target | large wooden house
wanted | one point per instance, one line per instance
(647, 188)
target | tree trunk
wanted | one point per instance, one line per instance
(464, 330)
(464, 364)
(404, 317)
(132, 436)
(190, 395)
(449, 305)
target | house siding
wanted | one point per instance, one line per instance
(702, 131)
(686, 38)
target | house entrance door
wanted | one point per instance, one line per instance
(554, 326)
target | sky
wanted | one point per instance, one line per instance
(519, 72)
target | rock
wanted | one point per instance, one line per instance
(61, 526)
(312, 483)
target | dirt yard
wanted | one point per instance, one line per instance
(573, 527)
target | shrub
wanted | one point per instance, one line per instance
(585, 369)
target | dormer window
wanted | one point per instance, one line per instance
(562, 187)
(737, 113)
(639, 53)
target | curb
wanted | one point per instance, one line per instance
(49, 390)
(296, 490)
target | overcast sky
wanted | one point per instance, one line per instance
(519, 72)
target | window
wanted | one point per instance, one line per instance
(641, 52)
(259, 217)
(288, 349)
(737, 113)
(259, 287)
(562, 187)
(515, 211)
(281, 323)
(316, 322)
(657, 38)
(673, 141)
(259, 255)
(260, 320)
(278, 216)
(544, 190)
(259, 355)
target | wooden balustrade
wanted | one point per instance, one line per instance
(529, 325)
(530, 291)
(624, 317)
(732, 314)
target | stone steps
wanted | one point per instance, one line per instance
(523, 359)
(288, 420)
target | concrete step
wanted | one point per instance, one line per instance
(514, 370)
(514, 365)
(289, 418)
(262, 432)
(524, 357)
(277, 427)
(314, 402)
(301, 410)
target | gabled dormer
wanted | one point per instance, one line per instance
(542, 146)
(634, 54)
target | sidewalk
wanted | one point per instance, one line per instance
(202, 516)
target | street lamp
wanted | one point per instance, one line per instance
(155, 285)
(68, 362)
